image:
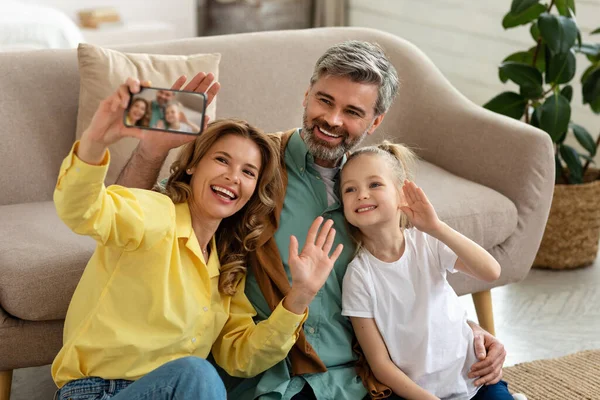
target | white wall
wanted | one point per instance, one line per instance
(466, 41)
(180, 13)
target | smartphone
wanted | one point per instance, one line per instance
(169, 110)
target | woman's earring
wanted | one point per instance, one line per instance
(189, 171)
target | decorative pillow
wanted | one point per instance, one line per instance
(102, 70)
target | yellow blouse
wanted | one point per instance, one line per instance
(147, 296)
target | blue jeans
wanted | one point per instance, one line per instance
(183, 379)
(499, 391)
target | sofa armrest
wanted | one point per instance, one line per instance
(513, 158)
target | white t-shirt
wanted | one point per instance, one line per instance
(417, 313)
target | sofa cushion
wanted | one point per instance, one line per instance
(40, 263)
(101, 71)
(476, 211)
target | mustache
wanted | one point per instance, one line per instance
(325, 126)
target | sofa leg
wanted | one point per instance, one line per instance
(5, 383)
(485, 313)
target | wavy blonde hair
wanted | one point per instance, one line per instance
(236, 235)
(401, 161)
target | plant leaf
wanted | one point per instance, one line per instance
(584, 138)
(561, 68)
(571, 4)
(574, 166)
(534, 31)
(591, 89)
(526, 57)
(595, 106)
(567, 92)
(521, 74)
(588, 158)
(554, 116)
(562, 137)
(591, 50)
(522, 57)
(559, 33)
(540, 61)
(510, 104)
(511, 20)
(565, 7)
(535, 116)
(588, 72)
(531, 92)
(562, 7)
(597, 30)
(558, 168)
(519, 6)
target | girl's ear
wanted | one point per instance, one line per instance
(401, 199)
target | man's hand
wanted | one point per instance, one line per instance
(156, 145)
(491, 355)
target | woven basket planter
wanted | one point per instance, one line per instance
(573, 229)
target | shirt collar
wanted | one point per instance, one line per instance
(183, 220)
(183, 227)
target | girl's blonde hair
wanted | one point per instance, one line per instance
(401, 162)
(236, 235)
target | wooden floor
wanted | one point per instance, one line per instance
(549, 314)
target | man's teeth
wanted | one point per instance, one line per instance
(363, 209)
(328, 133)
(229, 193)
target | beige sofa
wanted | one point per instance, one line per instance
(489, 176)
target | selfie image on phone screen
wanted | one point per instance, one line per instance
(166, 110)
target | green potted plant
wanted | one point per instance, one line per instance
(544, 73)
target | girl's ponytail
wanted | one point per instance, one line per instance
(405, 156)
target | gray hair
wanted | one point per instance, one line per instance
(362, 62)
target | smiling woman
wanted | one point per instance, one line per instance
(230, 157)
(165, 286)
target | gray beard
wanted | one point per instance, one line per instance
(321, 150)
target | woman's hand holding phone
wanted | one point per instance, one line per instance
(107, 125)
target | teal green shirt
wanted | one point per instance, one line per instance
(157, 113)
(328, 332)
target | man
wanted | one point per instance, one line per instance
(352, 87)
(158, 106)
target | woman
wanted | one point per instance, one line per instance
(138, 114)
(165, 285)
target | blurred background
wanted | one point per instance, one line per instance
(465, 39)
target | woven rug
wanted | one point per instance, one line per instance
(572, 377)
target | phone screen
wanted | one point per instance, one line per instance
(166, 110)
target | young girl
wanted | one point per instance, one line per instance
(165, 285)
(176, 120)
(407, 318)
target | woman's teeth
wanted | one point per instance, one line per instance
(228, 194)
